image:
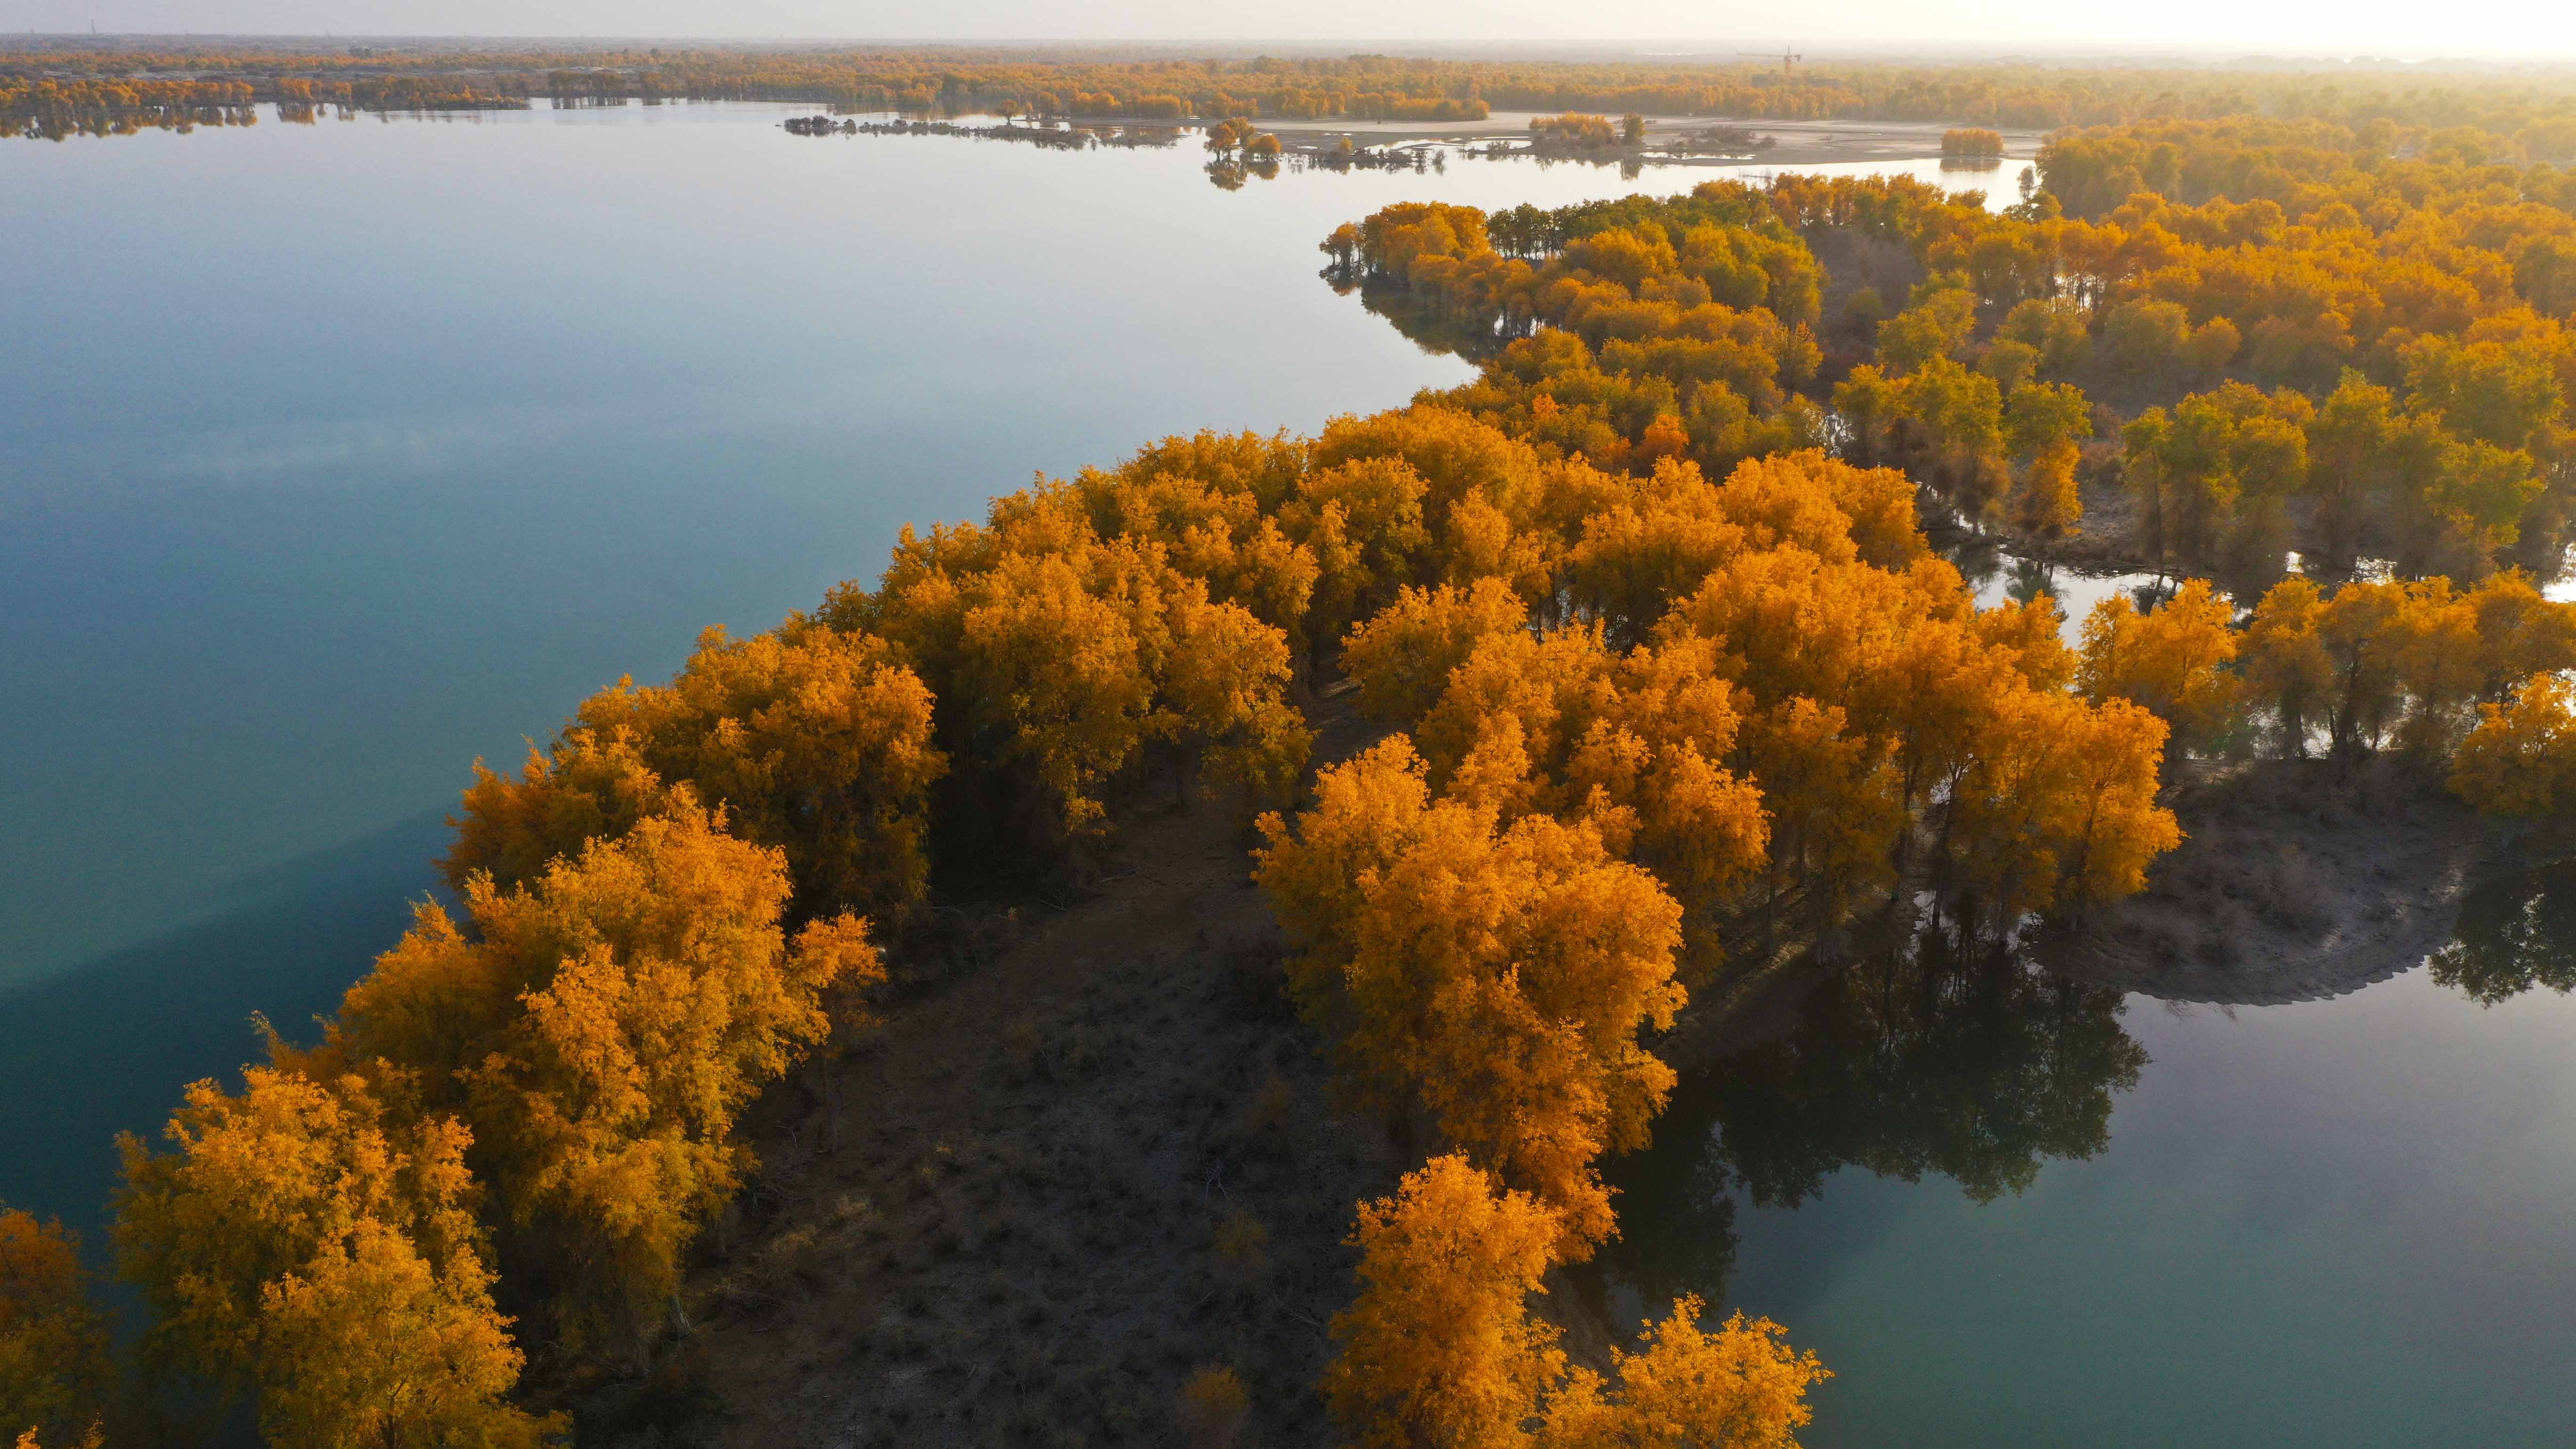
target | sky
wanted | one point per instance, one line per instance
(2402, 28)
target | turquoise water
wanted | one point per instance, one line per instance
(333, 457)
(2008, 1210)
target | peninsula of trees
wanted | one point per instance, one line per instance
(1664, 678)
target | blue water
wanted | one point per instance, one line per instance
(2291, 1239)
(333, 457)
(2011, 1211)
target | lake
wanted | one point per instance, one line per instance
(333, 457)
(2009, 1210)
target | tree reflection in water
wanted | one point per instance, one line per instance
(2513, 934)
(1424, 321)
(1973, 1064)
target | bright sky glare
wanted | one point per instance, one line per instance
(2525, 29)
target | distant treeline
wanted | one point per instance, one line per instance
(51, 109)
(2530, 117)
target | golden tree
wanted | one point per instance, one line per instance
(54, 1374)
(1363, 521)
(1498, 976)
(308, 1245)
(1064, 660)
(814, 740)
(2521, 758)
(1633, 744)
(2287, 668)
(601, 1028)
(1402, 657)
(2173, 661)
(588, 787)
(2057, 807)
(1741, 1386)
(1833, 804)
(1440, 1349)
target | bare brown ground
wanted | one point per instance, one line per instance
(2298, 879)
(1060, 1180)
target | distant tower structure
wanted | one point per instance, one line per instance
(1788, 60)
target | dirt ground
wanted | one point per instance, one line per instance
(2298, 880)
(1061, 1180)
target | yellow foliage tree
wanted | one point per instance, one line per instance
(1741, 1386)
(1363, 521)
(1634, 744)
(2059, 806)
(2440, 665)
(1656, 544)
(2173, 661)
(1223, 705)
(1499, 976)
(1635, 557)
(601, 1028)
(588, 787)
(2358, 630)
(1213, 528)
(2047, 501)
(54, 1373)
(2287, 668)
(1063, 660)
(1455, 455)
(2520, 633)
(2521, 758)
(814, 740)
(1402, 657)
(1833, 803)
(1440, 1349)
(306, 1244)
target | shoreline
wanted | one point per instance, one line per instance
(1793, 144)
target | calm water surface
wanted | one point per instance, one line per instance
(333, 457)
(2009, 1210)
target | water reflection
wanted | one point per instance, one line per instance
(2514, 934)
(2028, 578)
(1971, 1063)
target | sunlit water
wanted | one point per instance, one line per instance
(333, 457)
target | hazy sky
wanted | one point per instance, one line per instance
(2306, 27)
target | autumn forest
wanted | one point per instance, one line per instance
(1547, 716)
